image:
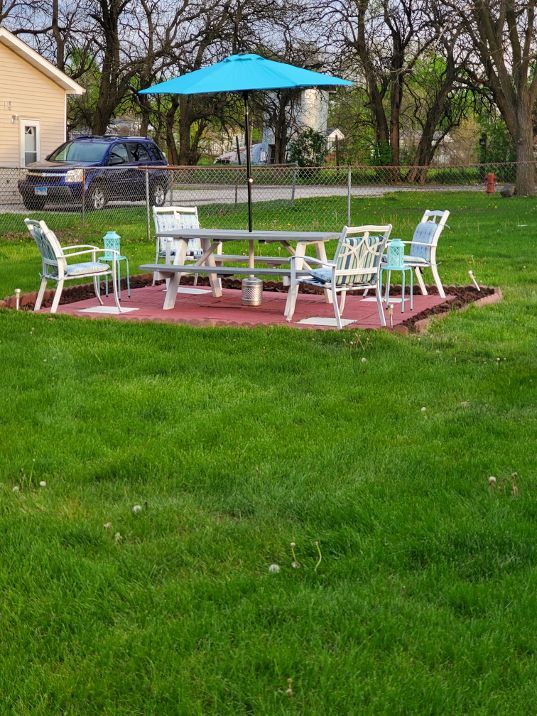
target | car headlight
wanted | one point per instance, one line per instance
(74, 175)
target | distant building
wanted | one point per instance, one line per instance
(311, 111)
(33, 103)
(333, 136)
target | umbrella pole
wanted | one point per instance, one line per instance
(249, 179)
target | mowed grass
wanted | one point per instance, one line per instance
(237, 442)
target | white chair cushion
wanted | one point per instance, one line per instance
(89, 267)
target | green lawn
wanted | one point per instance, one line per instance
(237, 442)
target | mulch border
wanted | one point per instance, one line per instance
(460, 298)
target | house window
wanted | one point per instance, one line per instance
(29, 142)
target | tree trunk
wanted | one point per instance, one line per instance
(185, 125)
(171, 144)
(396, 97)
(280, 136)
(525, 173)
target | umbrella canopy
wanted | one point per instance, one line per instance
(244, 74)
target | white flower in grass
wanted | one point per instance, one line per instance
(137, 509)
(492, 481)
(107, 525)
(424, 409)
(42, 483)
(16, 488)
(118, 537)
(274, 569)
(364, 359)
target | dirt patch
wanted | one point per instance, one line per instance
(457, 297)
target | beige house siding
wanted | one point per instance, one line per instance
(27, 94)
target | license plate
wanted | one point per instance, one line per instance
(41, 190)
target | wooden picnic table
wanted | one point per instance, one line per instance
(211, 240)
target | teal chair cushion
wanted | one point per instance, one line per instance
(321, 275)
(86, 268)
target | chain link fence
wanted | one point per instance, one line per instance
(103, 198)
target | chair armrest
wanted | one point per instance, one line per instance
(94, 250)
(80, 253)
(310, 259)
(418, 243)
(79, 246)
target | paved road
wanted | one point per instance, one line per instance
(226, 194)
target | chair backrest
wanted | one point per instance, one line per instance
(173, 218)
(53, 260)
(427, 233)
(359, 253)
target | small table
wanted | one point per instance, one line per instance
(403, 269)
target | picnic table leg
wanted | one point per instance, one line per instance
(292, 293)
(214, 279)
(178, 260)
(321, 255)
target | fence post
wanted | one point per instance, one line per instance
(293, 187)
(349, 187)
(83, 217)
(147, 205)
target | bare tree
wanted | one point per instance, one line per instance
(386, 40)
(504, 36)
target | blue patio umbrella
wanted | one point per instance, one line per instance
(245, 74)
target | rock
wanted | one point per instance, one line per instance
(507, 191)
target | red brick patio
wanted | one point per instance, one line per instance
(201, 308)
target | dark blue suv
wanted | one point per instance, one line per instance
(97, 170)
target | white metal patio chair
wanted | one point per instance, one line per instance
(422, 252)
(173, 218)
(355, 267)
(55, 266)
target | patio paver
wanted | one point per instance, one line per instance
(200, 307)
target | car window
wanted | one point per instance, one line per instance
(79, 152)
(155, 152)
(118, 155)
(139, 153)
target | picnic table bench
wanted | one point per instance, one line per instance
(211, 241)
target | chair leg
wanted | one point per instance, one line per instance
(156, 261)
(118, 269)
(388, 281)
(441, 292)
(97, 288)
(291, 301)
(42, 289)
(128, 277)
(421, 282)
(411, 290)
(106, 285)
(336, 308)
(114, 288)
(342, 304)
(57, 296)
(403, 291)
(380, 307)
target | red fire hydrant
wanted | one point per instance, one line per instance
(491, 183)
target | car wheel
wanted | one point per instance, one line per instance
(36, 203)
(158, 194)
(97, 198)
